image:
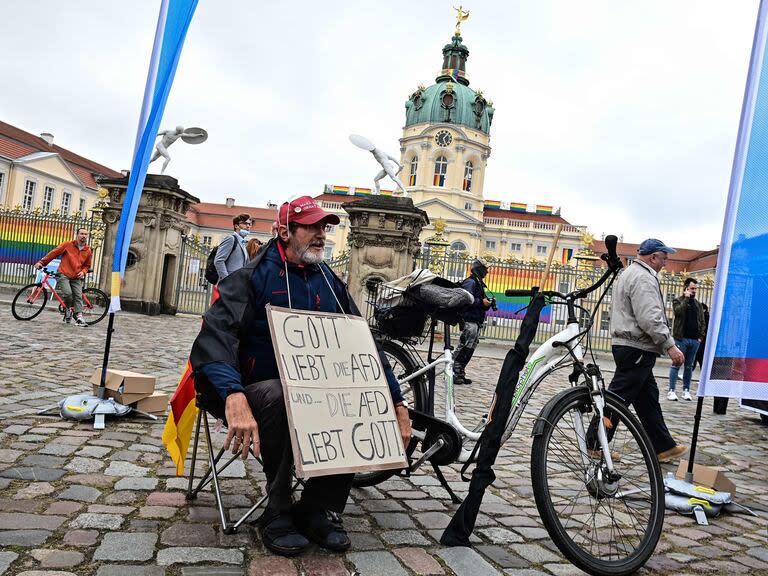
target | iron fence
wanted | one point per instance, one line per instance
(504, 323)
(193, 292)
(27, 236)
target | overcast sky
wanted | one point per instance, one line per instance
(624, 113)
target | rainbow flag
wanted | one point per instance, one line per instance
(467, 186)
(518, 207)
(181, 420)
(543, 209)
(387, 192)
(172, 25)
(567, 255)
(492, 205)
(362, 191)
(25, 241)
(454, 73)
(340, 190)
(500, 279)
(439, 180)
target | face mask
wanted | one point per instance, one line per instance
(244, 233)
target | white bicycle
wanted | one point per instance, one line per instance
(595, 476)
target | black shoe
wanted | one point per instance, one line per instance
(324, 528)
(460, 379)
(281, 536)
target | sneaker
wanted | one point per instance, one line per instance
(281, 536)
(80, 322)
(67, 316)
(672, 396)
(673, 452)
(323, 527)
(460, 380)
(687, 395)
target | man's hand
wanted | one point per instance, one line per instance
(39, 265)
(404, 424)
(81, 274)
(242, 425)
(676, 355)
(486, 302)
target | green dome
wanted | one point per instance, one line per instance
(450, 100)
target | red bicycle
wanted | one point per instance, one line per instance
(30, 301)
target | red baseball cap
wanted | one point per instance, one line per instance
(304, 210)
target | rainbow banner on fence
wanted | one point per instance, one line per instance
(25, 239)
(500, 279)
(172, 25)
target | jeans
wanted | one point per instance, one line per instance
(71, 291)
(468, 341)
(689, 347)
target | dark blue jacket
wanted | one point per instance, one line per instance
(234, 347)
(475, 312)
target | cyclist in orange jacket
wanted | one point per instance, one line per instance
(76, 260)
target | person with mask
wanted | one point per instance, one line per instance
(237, 378)
(473, 318)
(232, 254)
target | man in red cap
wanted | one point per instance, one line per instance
(237, 376)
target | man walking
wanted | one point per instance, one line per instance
(232, 254)
(688, 329)
(76, 259)
(473, 317)
(640, 333)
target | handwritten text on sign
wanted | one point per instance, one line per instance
(340, 410)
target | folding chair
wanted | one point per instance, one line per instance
(214, 469)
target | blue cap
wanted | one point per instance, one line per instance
(654, 245)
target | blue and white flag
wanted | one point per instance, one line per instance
(172, 25)
(736, 355)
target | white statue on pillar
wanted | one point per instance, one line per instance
(390, 166)
(190, 136)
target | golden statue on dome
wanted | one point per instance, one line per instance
(461, 16)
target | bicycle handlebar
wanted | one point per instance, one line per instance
(610, 258)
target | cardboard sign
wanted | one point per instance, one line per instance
(340, 412)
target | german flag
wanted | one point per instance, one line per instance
(181, 420)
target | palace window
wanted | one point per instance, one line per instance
(2, 179)
(414, 169)
(441, 167)
(330, 228)
(81, 206)
(490, 244)
(515, 247)
(207, 240)
(605, 322)
(541, 250)
(47, 199)
(328, 251)
(66, 202)
(458, 246)
(29, 195)
(467, 186)
(467, 205)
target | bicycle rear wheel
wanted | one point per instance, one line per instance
(95, 305)
(603, 525)
(29, 302)
(414, 392)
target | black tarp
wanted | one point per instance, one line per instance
(463, 523)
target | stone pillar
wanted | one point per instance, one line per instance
(149, 284)
(383, 241)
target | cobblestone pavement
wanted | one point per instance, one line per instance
(77, 501)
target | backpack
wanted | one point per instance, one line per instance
(211, 275)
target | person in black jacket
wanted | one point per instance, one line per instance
(473, 317)
(237, 376)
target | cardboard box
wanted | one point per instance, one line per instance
(155, 404)
(707, 476)
(124, 386)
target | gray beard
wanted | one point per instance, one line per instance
(309, 257)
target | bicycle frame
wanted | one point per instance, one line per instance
(45, 284)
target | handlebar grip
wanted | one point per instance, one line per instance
(528, 292)
(611, 258)
(610, 244)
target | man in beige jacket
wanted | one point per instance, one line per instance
(640, 333)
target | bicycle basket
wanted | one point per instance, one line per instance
(397, 315)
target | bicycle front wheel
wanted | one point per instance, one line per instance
(95, 305)
(604, 524)
(29, 302)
